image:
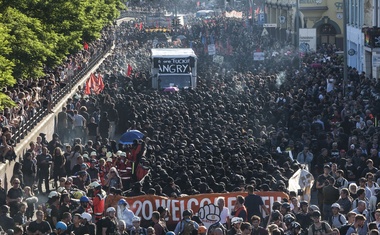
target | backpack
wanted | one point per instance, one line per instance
(188, 229)
(344, 228)
(339, 219)
(323, 227)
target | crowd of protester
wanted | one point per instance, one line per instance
(248, 126)
(31, 95)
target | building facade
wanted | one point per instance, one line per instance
(325, 16)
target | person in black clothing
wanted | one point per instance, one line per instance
(171, 189)
(64, 204)
(109, 224)
(92, 130)
(54, 143)
(3, 194)
(17, 173)
(87, 222)
(62, 124)
(135, 191)
(6, 222)
(104, 125)
(113, 117)
(52, 210)
(29, 170)
(303, 215)
(39, 225)
(93, 171)
(59, 161)
(21, 218)
(44, 161)
(14, 196)
(77, 227)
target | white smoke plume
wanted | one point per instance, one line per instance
(280, 78)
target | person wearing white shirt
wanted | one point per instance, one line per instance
(224, 212)
(341, 182)
(372, 207)
(377, 218)
(337, 219)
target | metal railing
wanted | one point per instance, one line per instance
(26, 127)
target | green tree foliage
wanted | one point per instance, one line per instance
(38, 33)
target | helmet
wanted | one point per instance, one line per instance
(236, 220)
(314, 208)
(53, 194)
(94, 184)
(170, 233)
(335, 205)
(286, 205)
(61, 189)
(136, 219)
(304, 203)
(316, 214)
(86, 216)
(122, 202)
(61, 226)
(288, 219)
(202, 229)
(78, 194)
(110, 209)
(295, 225)
(84, 199)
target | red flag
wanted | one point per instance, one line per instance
(89, 85)
(129, 70)
(94, 84)
(100, 85)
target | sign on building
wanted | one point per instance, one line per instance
(270, 25)
(375, 60)
(211, 49)
(307, 40)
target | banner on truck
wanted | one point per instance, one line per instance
(143, 206)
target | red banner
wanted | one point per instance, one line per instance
(143, 206)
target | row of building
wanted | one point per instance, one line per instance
(322, 22)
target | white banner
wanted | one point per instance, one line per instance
(211, 49)
(307, 40)
(302, 180)
(218, 59)
(258, 56)
(234, 14)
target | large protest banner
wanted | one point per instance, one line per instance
(143, 206)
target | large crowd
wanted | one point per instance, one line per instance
(247, 127)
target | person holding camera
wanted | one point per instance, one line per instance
(305, 157)
(322, 181)
(330, 196)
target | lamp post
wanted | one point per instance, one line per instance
(298, 32)
(345, 57)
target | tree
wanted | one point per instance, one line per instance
(39, 33)
(6, 66)
(30, 44)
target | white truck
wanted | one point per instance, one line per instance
(173, 67)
